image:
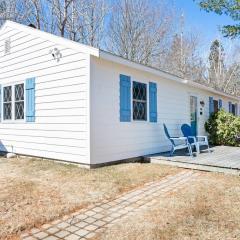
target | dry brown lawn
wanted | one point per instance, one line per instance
(209, 209)
(33, 192)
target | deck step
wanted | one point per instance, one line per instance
(194, 166)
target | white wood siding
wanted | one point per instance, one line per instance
(113, 140)
(61, 129)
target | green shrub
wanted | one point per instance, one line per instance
(223, 128)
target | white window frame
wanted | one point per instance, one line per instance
(13, 103)
(147, 102)
(6, 120)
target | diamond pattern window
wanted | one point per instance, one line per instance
(139, 93)
(19, 101)
(7, 103)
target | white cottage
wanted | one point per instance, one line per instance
(67, 101)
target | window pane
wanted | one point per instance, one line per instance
(19, 92)
(139, 101)
(7, 111)
(233, 109)
(7, 94)
(139, 111)
(19, 110)
(215, 104)
(139, 91)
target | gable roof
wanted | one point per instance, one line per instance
(50, 37)
(110, 57)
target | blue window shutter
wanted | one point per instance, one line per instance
(230, 107)
(220, 103)
(30, 99)
(236, 109)
(125, 98)
(211, 105)
(153, 102)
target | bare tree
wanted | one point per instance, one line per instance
(183, 58)
(81, 21)
(25, 12)
(14, 10)
(61, 13)
(87, 23)
(37, 13)
(223, 68)
(138, 29)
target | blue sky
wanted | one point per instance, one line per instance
(206, 23)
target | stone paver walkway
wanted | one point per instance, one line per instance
(86, 223)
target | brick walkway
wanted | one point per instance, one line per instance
(86, 223)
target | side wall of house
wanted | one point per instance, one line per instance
(113, 140)
(61, 127)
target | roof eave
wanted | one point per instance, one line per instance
(52, 38)
(113, 58)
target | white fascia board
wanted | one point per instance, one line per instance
(2, 28)
(52, 38)
(212, 90)
(116, 59)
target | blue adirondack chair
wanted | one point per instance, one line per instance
(177, 142)
(195, 141)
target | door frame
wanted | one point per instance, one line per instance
(197, 110)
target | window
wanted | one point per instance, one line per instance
(215, 105)
(139, 93)
(233, 109)
(19, 101)
(7, 103)
(13, 102)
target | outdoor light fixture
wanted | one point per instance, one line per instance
(202, 103)
(56, 54)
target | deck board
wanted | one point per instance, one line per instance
(221, 159)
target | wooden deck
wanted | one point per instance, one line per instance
(221, 159)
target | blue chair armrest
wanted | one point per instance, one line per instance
(179, 139)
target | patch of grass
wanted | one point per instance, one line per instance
(33, 192)
(207, 209)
